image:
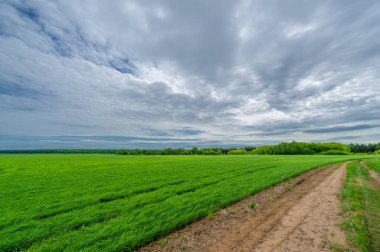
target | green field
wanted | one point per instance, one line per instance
(93, 202)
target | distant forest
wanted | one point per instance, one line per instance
(292, 148)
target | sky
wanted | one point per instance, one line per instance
(154, 74)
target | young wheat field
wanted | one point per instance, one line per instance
(95, 202)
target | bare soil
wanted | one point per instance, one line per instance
(313, 223)
(301, 214)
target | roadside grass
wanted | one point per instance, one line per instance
(374, 207)
(210, 215)
(162, 241)
(336, 247)
(90, 202)
(361, 206)
(252, 205)
(374, 164)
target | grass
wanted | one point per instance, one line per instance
(252, 205)
(210, 215)
(361, 205)
(336, 247)
(92, 202)
(374, 163)
(162, 241)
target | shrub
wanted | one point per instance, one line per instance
(252, 205)
(209, 152)
(335, 152)
(237, 152)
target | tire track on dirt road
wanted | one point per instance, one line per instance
(313, 223)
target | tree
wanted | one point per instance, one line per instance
(121, 152)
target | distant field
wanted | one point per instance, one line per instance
(94, 202)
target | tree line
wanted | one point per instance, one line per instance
(174, 151)
(300, 148)
(364, 148)
(285, 148)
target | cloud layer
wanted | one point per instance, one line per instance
(219, 72)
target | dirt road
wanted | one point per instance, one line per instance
(302, 214)
(313, 223)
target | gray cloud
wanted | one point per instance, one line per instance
(18, 90)
(342, 128)
(228, 72)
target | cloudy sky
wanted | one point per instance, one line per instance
(185, 73)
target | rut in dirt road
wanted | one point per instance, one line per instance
(303, 211)
(310, 225)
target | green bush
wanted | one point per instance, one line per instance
(335, 152)
(209, 152)
(237, 152)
